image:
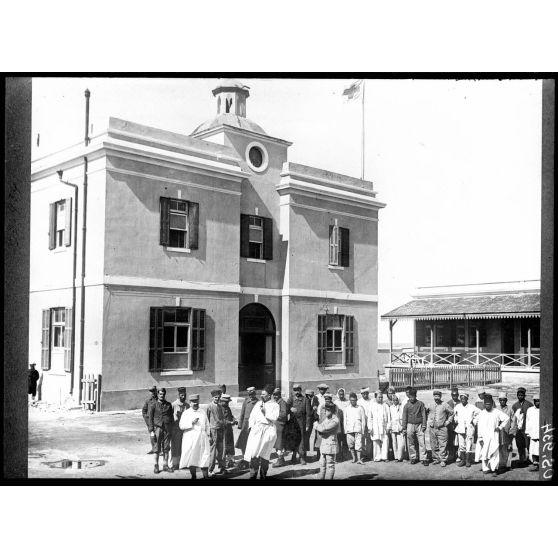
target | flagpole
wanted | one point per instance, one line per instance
(363, 137)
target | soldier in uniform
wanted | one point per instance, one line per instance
(216, 418)
(178, 407)
(453, 442)
(280, 428)
(311, 434)
(145, 413)
(32, 379)
(299, 425)
(161, 420)
(230, 421)
(243, 420)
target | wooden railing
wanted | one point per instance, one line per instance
(444, 377)
(410, 357)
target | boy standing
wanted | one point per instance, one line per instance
(355, 423)
(328, 429)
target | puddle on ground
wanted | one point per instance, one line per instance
(74, 464)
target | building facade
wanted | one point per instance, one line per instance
(209, 259)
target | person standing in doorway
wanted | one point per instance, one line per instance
(145, 413)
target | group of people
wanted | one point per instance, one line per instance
(379, 428)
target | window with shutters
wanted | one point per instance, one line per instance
(176, 339)
(335, 340)
(256, 237)
(58, 326)
(338, 246)
(179, 224)
(56, 336)
(60, 224)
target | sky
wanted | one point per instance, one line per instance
(457, 162)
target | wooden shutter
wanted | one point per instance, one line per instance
(52, 227)
(68, 225)
(331, 246)
(244, 236)
(349, 340)
(165, 221)
(193, 225)
(321, 339)
(267, 238)
(68, 340)
(155, 339)
(198, 339)
(45, 340)
(343, 247)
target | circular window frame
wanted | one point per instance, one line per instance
(265, 156)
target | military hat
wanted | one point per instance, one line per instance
(297, 386)
(309, 392)
(181, 390)
(502, 395)
(225, 397)
(215, 392)
(521, 390)
(364, 390)
(153, 389)
(488, 397)
(250, 389)
(323, 386)
(194, 397)
(277, 391)
(437, 392)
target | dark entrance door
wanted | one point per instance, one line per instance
(508, 342)
(256, 365)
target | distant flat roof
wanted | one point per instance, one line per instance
(505, 305)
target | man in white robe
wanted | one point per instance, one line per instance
(397, 439)
(378, 421)
(464, 415)
(365, 402)
(490, 421)
(532, 429)
(195, 438)
(263, 434)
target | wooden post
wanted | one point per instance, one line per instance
(451, 378)
(468, 376)
(391, 324)
(478, 343)
(529, 347)
(432, 377)
(432, 345)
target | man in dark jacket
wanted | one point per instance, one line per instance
(280, 428)
(145, 413)
(32, 379)
(228, 440)
(161, 419)
(519, 430)
(216, 418)
(243, 425)
(299, 425)
(413, 424)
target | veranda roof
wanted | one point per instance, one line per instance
(517, 305)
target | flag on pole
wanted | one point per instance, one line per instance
(354, 90)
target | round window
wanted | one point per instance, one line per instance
(256, 157)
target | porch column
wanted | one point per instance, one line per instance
(478, 343)
(432, 344)
(391, 324)
(529, 347)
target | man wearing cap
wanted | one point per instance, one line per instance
(145, 413)
(195, 438)
(490, 421)
(440, 416)
(378, 422)
(464, 417)
(160, 426)
(280, 428)
(228, 435)
(342, 403)
(299, 424)
(479, 404)
(262, 434)
(355, 423)
(365, 402)
(311, 434)
(327, 429)
(328, 398)
(532, 432)
(519, 409)
(216, 418)
(397, 440)
(243, 421)
(322, 389)
(178, 407)
(414, 427)
(453, 442)
(32, 379)
(505, 436)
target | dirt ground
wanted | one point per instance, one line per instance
(115, 444)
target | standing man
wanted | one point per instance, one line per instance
(228, 435)
(262, 434)
(160, 426)
(532, 432)
(195, 438)
(216, 418)
(342, 403)
(365, 402)
(145, 413)
(280, 428)
(479, 404)
(453, 442)
(490, 422)
(414, 427)
(322, 389)
(440, 416)
(32, 379)
(464, 417)
(355, 423)
(299, 424)
(378, 422)
(178, 407)
(518, 428)
(327, 429)
(505, 436)
(311, 433)
(397, 440)
(243, 421)
(390, 396)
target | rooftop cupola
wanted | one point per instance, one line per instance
(231, 97)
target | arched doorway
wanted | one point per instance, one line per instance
(256, 347)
